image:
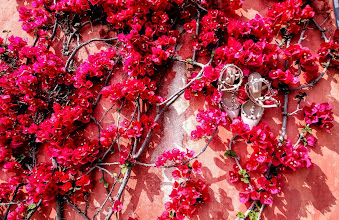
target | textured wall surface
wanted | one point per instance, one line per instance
(308, 193)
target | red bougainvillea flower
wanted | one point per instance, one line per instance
(319, 114)
(117, 206)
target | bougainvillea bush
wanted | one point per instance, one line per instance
(48, 101)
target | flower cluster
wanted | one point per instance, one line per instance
(286, 77)
(267, 153)
(43, 182)
(35, 21)
(329, 50)
(205, 85)
(187, 193)
(130, 89)
(249, 55)
(175, 156)
(306, 60)
(97, 66)
(288, 15)
(291, 157)
(319, 114)
(210, 120)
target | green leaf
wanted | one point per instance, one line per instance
(282, 141)
(213, 53)
(245, 180)
(242, 172)
(230, 153)
(246, 175)
(308, 129)
(106, 185)
(100, 180)
(128, 165)
(325, 64)
(241, 215)
(31, 206)
(189, 60)
(253, 215)
(19, 158)
(304, 141)
(123, 170)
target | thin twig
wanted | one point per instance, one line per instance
(196, 34)
(328, 15)
(312, 83)
(59, 207)
(84, 44)
(285, 114)
(322, 31)
(34, 210)
(301, 38)
(12, 203)
(185, 162)
(237, 160)
(108, 164)
(77, 209)
(296, 111)
(260, 212)
(14, 195)
(119, 194)
(248, 211)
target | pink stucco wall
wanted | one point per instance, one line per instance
(308, 193)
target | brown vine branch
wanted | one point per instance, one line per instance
(312, 83)
(328, 15)
(196, 35)
(260, 212)
(84, 44)
(14, 195)
(12, 203)
(66, 50)
(108, 196)
(77, 209)
(170, 101)
(248, 211)
(59, 207)
(185, 162)
(237, 159)
(322, 31)
(285, 114)
(301, 38)
(34, 210)
(119, 194)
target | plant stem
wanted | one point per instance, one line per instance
(84, 44)
(260, 212)
(248, 211)
(312, 83)
(77, 209)
(59, 207)
(34, 210)
(119, 194)
(285, 115)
